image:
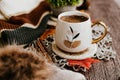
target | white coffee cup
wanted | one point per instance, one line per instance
(74, 36)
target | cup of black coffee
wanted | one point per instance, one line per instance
(74, 32)
(74, 18)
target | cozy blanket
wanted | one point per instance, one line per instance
(23, 21)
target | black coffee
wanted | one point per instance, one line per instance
(74, 18)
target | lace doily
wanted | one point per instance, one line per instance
(104, 50)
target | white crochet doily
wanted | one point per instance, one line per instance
(104, 49)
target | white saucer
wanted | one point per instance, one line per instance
(88, 54)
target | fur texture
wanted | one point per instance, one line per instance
(17, 63)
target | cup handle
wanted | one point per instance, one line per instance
(103, 35)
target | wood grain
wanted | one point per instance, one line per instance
(109, 12)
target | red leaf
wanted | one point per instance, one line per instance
(86, 63)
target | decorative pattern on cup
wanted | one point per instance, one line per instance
(70, 39)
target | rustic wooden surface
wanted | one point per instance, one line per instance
(109, 12)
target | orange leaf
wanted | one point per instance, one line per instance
(84, 63)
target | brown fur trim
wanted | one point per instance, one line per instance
(19, 64)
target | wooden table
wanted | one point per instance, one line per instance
(109, 12)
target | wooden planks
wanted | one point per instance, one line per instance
(109, 12)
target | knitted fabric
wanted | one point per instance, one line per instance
(25, 35)
(15, 30)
